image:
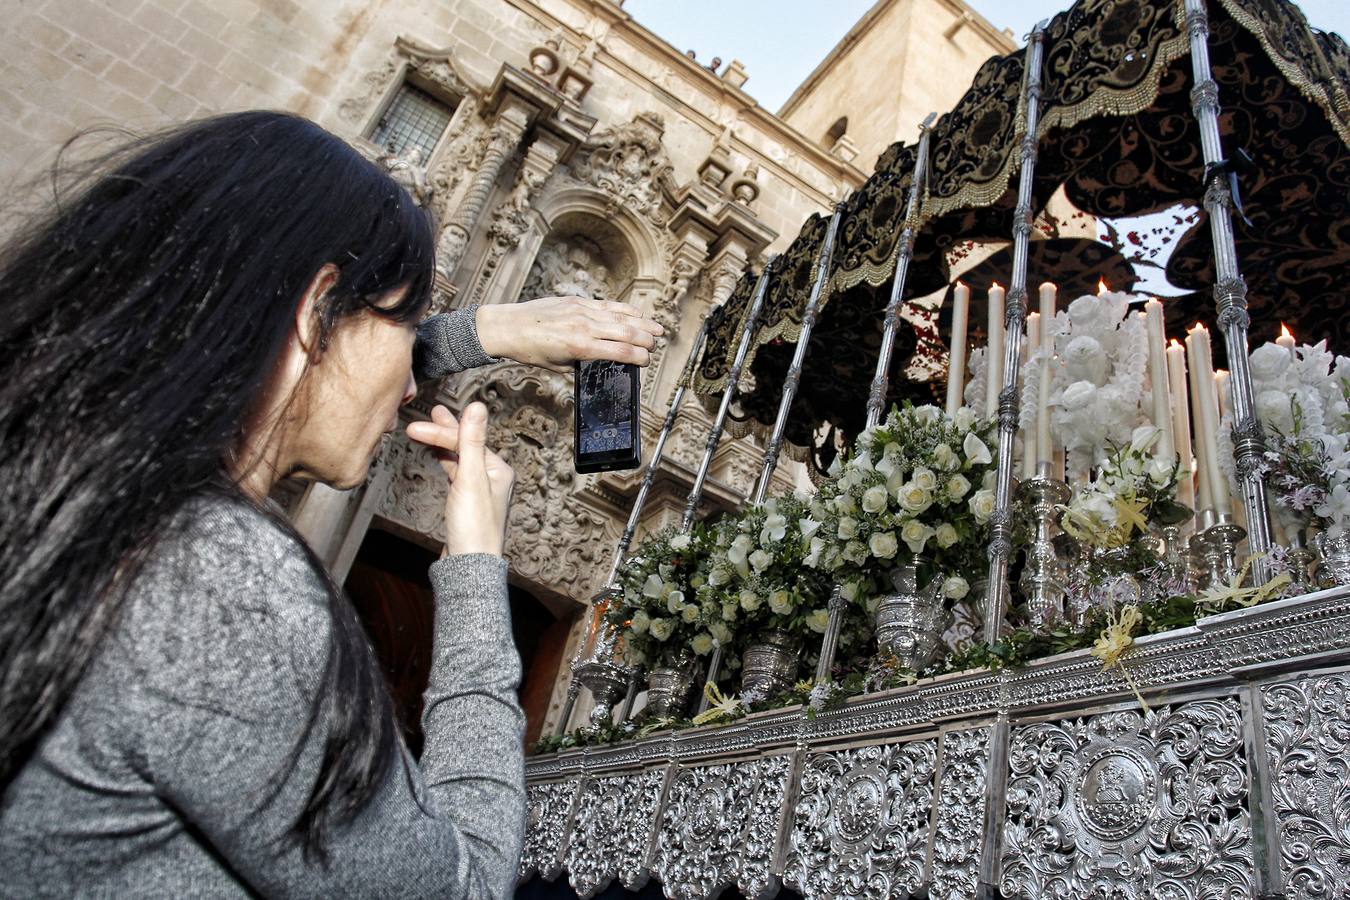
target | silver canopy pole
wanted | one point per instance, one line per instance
(794, 374)
(876, 397)
(1230, 296)
(1000, 540)
(748, 328)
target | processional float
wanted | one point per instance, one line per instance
(1055, 777)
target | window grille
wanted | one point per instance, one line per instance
(413, 119)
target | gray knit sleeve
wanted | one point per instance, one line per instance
(448, 343)
(227, 686)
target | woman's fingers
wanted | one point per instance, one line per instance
(616, 351)
(442, 432)
(473, 441)
(622, 333)
(621, 313)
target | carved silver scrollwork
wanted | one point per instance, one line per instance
(861, 824)
(958, 836)
(610, 831)
(1307, 742)
(547, 809)
(1129, 806)
(719, 826)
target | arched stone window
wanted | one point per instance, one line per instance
(837, 130)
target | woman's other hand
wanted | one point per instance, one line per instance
(554, 332)
(480, 480)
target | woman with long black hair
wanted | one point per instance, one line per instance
(189, 706)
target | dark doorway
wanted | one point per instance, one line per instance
(390, 587)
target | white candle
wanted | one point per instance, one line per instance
(1221, 388)
(956, 369)
(1044, 449)
(1181, 423)
(1033, 343)
(1157, 367)
(1285, 340)
(1204, 498)
(1208, 421)
(994, 384)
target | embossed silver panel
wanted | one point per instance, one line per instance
(610, 831)
(547, 810)
(861, 825)
(1307, 743)
(958, 837)
(1129, 807)
(719, 828)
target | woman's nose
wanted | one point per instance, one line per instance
(409, 389)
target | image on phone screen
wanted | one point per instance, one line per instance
(606, 426)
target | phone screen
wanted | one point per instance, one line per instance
(607, 424)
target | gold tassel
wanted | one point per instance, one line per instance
(1115, 641)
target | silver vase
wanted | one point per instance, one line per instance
(606, 682)
(669, 687)
(1333, 567)
(911, 621)
(769, 665)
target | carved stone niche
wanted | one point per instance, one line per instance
(582, 256)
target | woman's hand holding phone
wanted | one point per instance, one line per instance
(480, 480)
(554, 332)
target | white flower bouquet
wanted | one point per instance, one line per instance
(659, 615)
(757, 579)
(920, 484)
(1132, 490)
(1303, 402)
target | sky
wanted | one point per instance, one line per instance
(781, 42)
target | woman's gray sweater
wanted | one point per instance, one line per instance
(154, 780)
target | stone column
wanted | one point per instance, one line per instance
(502, 142)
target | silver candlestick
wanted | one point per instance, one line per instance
(1043, 576)
(1301, 559)
(1175, 552)
(1219, 543)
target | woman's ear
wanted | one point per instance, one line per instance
(309, 311)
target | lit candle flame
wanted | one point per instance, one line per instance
(1285, 332)
(1101, 286)
(1173, 342)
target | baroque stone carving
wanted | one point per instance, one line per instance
(407, 171)
(610, 831)
(958, 835)
(862, 822)
(1307, 743)
(548, 807)
(435, 66)
(1129, 806)
(719, 826)
(570, 265)
(629, 163)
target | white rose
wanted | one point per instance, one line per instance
(927, 414)
(914, 499)
(1270, 362)
(924, 478)
(883, 545)
(661, 628)
(945, 535)
(976, 451)
(955, 587)
(1079, 395)
(849, 591)
(957, 486)
(641, 621)
(749, 600)
(761, 560)
(720, 632)
(1089, 313)
(847, 528)
(982, 505)
(689, 614)
(680, 542)
(945, 458)
(1275, 410)
(702, 644)
(964, 418)
(780, 602)
(844, 505)
(818, 620)
(915, 534)
(719, 575)
(729, 611)
(874, 499)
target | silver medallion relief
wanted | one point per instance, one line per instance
(861, 825)
(547, 809)
(1129, 806)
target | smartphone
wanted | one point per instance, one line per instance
(608, 416)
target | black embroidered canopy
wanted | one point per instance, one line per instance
(1117, 132)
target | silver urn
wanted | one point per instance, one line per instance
(606, 682)
(1333, 566)
(669, 686)
(769, 665)
(911, 621)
